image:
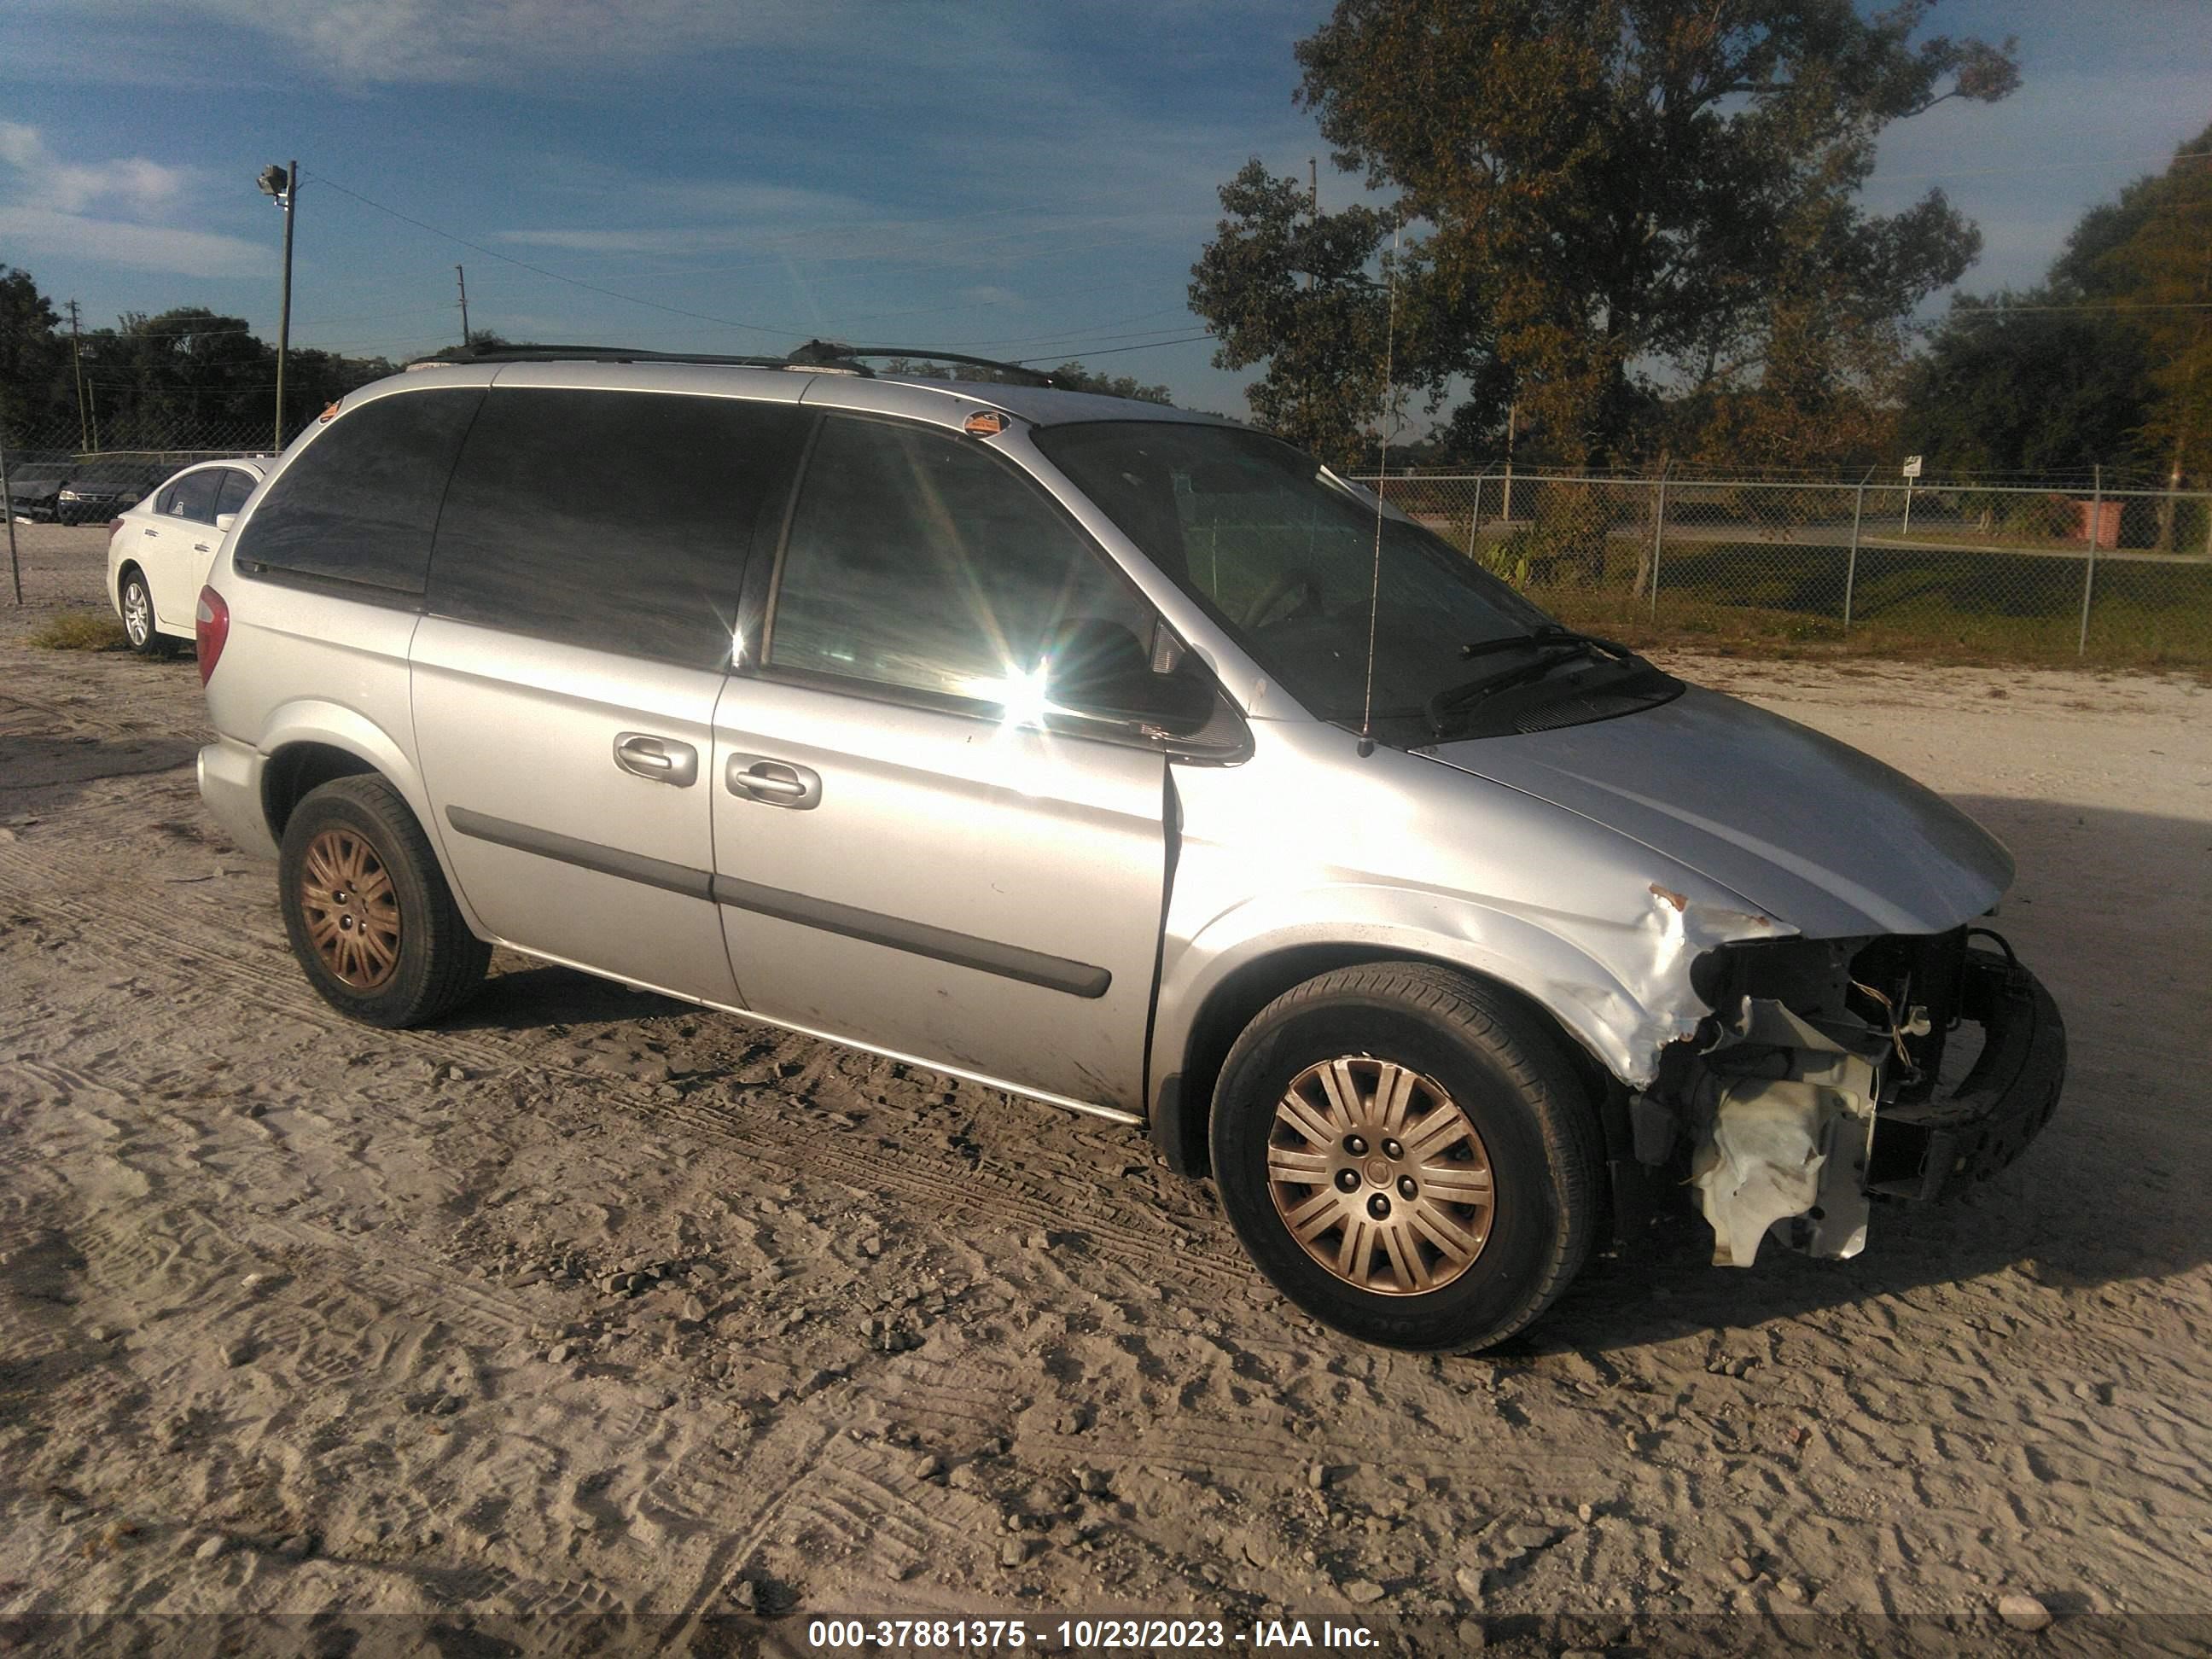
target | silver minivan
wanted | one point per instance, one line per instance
(1124, 758)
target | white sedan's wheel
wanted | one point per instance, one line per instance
(137, 606)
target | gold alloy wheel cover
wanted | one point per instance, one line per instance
(351, 912)
(1379, 1175)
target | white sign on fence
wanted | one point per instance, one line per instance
(1911, 467)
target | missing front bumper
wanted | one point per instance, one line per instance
(1798, 1120)
(1936, 1148)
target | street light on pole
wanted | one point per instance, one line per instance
(282, 185)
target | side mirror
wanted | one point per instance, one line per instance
(224, 522)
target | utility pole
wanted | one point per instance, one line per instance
(462, 277)
(282, 187)
(284, 319)
(1512, 420)
(1313, 201)
(76, 362)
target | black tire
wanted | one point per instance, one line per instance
(436, 962)
(133, 595)
(1530, 1114)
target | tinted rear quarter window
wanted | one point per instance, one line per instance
(616, 520)
(361, 502)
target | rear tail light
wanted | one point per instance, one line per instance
(113, 524)
(210, 628)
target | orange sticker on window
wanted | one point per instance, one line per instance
(332, 410)
(986, 424)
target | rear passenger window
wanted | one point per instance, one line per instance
(236, 486)
(191, 496)
(617, 520)
(924, 561)
(359, 502)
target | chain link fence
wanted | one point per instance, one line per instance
(2012, 571)
(2008, 571)
(61, 493)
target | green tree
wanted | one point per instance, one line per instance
(34, 361)
(2108, 361)
(1073, 376)
(2157, 270)
(1600, 200)
(2027, 382)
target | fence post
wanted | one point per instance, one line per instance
(8, 507)
(1474, 515)
(1851, 560)
(2090, 570)
(1658, 530)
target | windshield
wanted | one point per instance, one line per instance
(1284, 553)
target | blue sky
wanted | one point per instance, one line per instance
(1020, 180)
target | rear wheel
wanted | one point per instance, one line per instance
(370, 917)
(1407, 1155)
(136, 601)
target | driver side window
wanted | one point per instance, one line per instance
(920, 561)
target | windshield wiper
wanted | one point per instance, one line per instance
(1541, 634)
(1553, 646)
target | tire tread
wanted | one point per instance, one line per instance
(457, 958)
(1573, 1145)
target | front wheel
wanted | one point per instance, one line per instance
(367, 910)
(1407, 1155)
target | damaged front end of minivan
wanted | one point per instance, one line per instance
(1832, 1073)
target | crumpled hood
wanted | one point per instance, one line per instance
(1823, 837)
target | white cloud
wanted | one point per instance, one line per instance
(143, 247)
(134, 182)
(46, 212)
(471, 41)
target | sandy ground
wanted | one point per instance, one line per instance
(590, 1302)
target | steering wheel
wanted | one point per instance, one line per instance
(1296, 579)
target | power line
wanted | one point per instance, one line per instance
(574, 282)
(2039, 166)
(1112, 351)
(1962, 312)
(883, 226)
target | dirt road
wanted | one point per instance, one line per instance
(591, 1301)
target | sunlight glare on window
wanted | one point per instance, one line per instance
(1020, 693)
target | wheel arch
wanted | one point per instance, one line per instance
(1179, 1122)
(312, 744)
(297, 768)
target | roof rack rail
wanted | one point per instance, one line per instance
(590, 354)
(827, 353)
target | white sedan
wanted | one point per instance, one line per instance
(158, 553)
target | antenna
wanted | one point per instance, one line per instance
(1381, 479)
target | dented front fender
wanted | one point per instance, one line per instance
(1428, 861)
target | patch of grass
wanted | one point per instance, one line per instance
(80, 630)
(1974, 540)
(1761, 599)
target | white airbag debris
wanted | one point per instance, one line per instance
(1791, 1142)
